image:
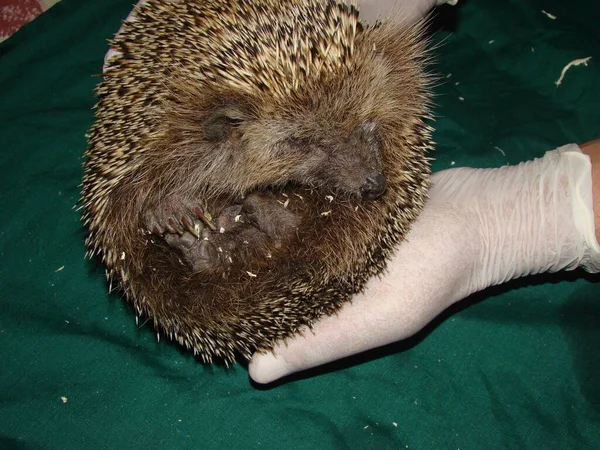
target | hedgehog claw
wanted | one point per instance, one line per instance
(193, 226)
(172, 227)
(175, 215)
(198, 211)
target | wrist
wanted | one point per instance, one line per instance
(592, 150)
(586, 194)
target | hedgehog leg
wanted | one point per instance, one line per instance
(245, 232)
(186, 229)
(229, 218)
(268, 215)
(202, 249)
(242, 231)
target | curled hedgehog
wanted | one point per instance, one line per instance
(253, 164)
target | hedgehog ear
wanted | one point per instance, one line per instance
(219, 124)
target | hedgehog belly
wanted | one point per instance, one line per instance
(224, 179)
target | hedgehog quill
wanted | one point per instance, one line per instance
(253, 164)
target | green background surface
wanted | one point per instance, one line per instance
(513, 367)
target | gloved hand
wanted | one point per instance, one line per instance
(481, 227)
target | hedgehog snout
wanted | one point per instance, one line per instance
(373, 187)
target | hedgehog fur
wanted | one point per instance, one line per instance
(253, 163)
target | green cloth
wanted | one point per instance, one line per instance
(514, 367)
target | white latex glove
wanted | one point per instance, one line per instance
(481, 227)
(402, 11)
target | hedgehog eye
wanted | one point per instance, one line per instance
(219, 124)
(303, 144)
(297, 142)
(367, 132)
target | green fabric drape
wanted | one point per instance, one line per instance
(513, 367)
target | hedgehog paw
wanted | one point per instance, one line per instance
(229, 218)
(166, 220)
(200, 254)
(269, 215)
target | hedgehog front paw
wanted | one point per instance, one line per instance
(203, 243)
(200, 254)
(173, 218)
(187, 230)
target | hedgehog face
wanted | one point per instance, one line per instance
(349, 163)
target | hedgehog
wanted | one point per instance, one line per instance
(252, 164)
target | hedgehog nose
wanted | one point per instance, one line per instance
(373, 187)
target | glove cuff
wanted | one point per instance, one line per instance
(579, 169)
